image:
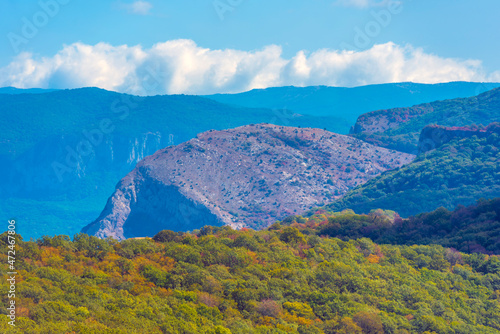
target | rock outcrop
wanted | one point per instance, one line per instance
(387, 119)
(244, 177)
(434, 136)
(399, 128)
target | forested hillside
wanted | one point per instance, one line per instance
(475, 228)
(281, 280)
(459, 172)
(399, 128)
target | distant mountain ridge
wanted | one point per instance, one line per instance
(243, 177)
(14, 90)
(349, 103)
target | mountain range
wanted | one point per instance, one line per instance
(347, 104)
(62, 152)
(243, 177)
(69, 148)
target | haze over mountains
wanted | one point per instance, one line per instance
(349, 103)
(70, 147)
(14, 90)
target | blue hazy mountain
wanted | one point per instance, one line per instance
(349, 103)
(14, 90)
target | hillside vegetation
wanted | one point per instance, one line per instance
(475, 228)
(459, 172)
(281, 280)
(399, 128)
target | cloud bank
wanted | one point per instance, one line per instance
(181, 66)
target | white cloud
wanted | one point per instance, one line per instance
(138, 7)
(364, 3)
(181, 66)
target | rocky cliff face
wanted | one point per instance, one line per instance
(387, 119)
(248, 176)
(54, 167)
(434, 136)
(400, 128)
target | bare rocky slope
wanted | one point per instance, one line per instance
(244, 177)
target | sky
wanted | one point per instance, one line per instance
(227, 46)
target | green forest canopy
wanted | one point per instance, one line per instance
(281, 280)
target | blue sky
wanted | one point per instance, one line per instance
(248, 43)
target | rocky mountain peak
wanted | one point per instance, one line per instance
(244, 177)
